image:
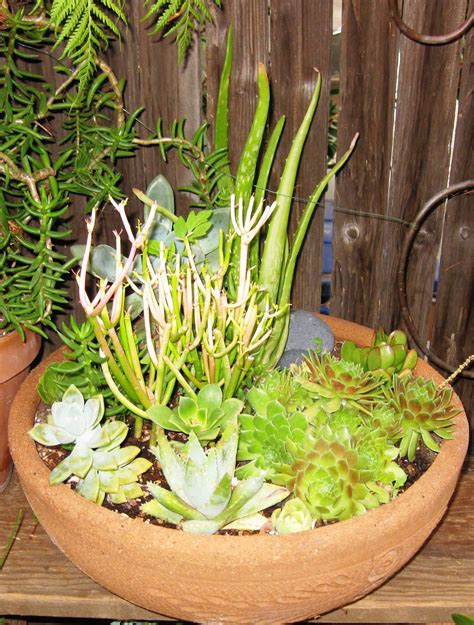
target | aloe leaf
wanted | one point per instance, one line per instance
(268, 495)
(248, 160)
(278, 279)
(261, 186)
(156, 509)
(274, 248)
(173, 503)
(208, 526)
(222, 112)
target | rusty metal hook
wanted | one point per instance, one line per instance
(403, 265)
(433, 40)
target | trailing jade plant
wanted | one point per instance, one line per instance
(58, 140)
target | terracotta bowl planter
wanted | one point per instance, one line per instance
(16, 357)
(227, 579)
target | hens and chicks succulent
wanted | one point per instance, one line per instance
(317, 443)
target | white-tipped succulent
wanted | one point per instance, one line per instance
(205, 496)
(72, 420)
(102, 466)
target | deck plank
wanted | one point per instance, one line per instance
(38, 580)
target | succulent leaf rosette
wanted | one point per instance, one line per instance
(339, 382)
(423, 411)
(294, 516)
(265, 433)
(204, 415)
(102, 466)
(204, 494)
(336, 480)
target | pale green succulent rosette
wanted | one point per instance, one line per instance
(423, 410)
(102, 466)
(205, 496)
(294, 516)
(206, 415)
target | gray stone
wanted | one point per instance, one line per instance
(306, 332)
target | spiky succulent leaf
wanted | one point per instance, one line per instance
(422, 410)
(337, 382)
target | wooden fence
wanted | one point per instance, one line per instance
(413, 107)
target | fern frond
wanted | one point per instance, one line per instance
(181, 18)
(86, 26)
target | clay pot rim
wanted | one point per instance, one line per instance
(448, 461)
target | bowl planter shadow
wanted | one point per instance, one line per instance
(260, 579)
(16, 357)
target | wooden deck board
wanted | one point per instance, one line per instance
(38, 580)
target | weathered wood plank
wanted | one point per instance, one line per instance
(368, 75)
(423, 129)
(454, 326)
(301, 35)
(37, 579)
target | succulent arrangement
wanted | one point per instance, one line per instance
(186, 317)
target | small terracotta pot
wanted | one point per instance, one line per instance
(258, 579)
(16, 357)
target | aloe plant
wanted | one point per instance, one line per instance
(203, 496)
(273, 260)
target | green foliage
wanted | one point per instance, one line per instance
(86, 27)
(336, 382)
(294, 516)
(423, 411)
(81, 368)
(203, 497)
(38, 180)
(265, 433)
(180, 18)
(206, 415)
(387, 355)
(338, 475)
(102, 466)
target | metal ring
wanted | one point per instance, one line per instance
(403, 265)
(433, 40)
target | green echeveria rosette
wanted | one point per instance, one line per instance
(206, 415)
(264, 435)
(339, 382)
(423, 411)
